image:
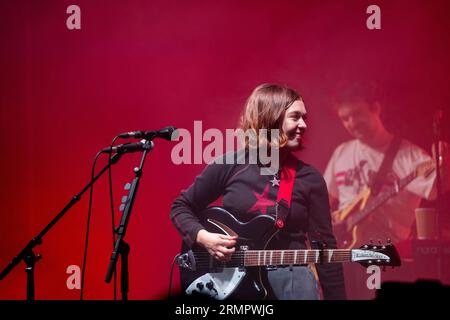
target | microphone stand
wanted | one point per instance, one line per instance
(27, 254)
(121, 247)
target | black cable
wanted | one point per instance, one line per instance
(113, 224)
(169, 294)
(86, 241)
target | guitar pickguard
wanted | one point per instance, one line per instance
(358, 204)
(219, 285)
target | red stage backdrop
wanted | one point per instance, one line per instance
(142, 65)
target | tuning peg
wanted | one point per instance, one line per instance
(124, 199)
(122, 207)
(127, 186)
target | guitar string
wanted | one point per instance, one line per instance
(277, 253)
(267, 255)
(273, 252)
(239, 258)
(239, 262)
(203, 258)
(300, 258)
(256, 255)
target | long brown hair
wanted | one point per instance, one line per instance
(265, 109)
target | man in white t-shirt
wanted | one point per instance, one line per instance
(353, 167)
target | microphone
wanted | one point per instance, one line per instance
(168, 133)
(130, 147)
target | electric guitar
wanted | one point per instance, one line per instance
(244, 276)
(351, 223)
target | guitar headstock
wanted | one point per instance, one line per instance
(377, 254)
(425, 168)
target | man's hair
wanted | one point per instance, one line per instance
(265, 109)
(348, 92)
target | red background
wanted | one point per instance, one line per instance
(141, 65)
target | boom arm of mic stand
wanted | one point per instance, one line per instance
(27, 250)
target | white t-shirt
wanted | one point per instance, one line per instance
(353, 165)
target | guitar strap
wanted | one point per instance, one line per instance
(287, 178)
(388, 160)
(285, 196)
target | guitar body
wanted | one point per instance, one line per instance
(360, 221)
(212, 279)
(370, 228)
(357, 204)
(244, 277)
(349, 237)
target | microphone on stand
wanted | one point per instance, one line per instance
(168, 133)
(130, 147)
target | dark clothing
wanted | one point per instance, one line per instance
(246, 193)
(293, 283)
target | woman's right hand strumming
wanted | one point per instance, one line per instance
(218, 245)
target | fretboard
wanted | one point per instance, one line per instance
(254, 258)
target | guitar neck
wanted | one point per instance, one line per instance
(366, 255)
(382, 198)
(254, 258)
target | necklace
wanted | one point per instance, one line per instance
(276, 180)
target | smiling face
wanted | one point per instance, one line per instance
(294, 125)
(361, 121)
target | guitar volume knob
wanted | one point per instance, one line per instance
(210, 285)
(200, 286)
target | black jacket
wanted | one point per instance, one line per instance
(246, 193)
